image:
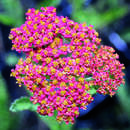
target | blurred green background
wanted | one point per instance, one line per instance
(111, 18)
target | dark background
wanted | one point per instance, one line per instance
(111, 18)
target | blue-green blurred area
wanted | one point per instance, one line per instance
(111, 18)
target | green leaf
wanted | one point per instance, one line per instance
(54, 124)
(5, 119)
(92, 91)
(21, 104)
(46, 3)
(77, 4)
(11, 59)
(13, 12)
(124, 98)
(24, 103)
(7, 20)
(65, 126)
(99, 20)
(96, 14)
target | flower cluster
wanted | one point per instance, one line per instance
(61, 55)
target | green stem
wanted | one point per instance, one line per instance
(60, 126)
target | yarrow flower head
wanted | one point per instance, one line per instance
(61, 55)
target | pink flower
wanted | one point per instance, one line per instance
(60, 55)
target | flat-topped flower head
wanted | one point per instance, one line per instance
(61, 55)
